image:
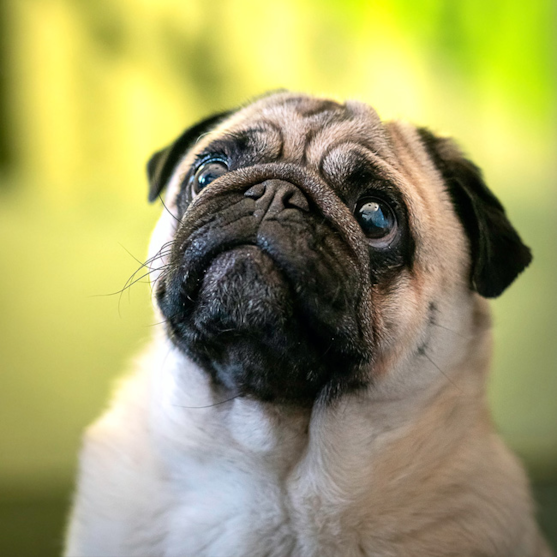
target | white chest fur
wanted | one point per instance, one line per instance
(172, 471)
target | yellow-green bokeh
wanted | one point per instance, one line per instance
(90, 89)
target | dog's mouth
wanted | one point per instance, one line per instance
(242, 289)
(266, 304)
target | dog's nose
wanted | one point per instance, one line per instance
(273, 196)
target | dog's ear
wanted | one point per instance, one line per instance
(497, 252)
(161, 165)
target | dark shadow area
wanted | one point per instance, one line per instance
(33, 527)
(546, 496)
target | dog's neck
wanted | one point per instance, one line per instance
(361, 476)
(431, 384)
(378, 446)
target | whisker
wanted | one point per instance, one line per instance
(442, 372)
(168, 210)
(140, 278)
(451, 331)
(130, 253)
(162, 276)
(127, 286)
(131, 281)
(209, 405)
(157, 323)
(131, 278)
(146, 265)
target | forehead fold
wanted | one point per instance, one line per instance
(312, 126)
(299, 128)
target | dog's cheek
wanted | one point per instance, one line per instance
(400, 321)
(392, 312)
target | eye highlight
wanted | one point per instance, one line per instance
(208, 172)
(377, 219)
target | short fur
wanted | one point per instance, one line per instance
(312, 392)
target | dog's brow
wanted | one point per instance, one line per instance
(262, 126)
(352, 150)
(260, 139)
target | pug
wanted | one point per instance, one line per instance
(316, 385)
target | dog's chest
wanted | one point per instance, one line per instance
(253, 491)
(228, 511)
(236, 509)
(228, 494)
(248, 479)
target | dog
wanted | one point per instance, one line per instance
(316, 386)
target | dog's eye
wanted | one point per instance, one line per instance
(377, 219)
(207, 173)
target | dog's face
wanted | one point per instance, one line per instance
(308, 248)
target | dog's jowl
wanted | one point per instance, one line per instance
(317, 383)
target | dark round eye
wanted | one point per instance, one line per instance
(207, 173)
(376, 218)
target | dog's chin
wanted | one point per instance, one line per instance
(244, 328)
(244, 331)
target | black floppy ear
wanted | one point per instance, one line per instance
(497, 252)
(163, 162)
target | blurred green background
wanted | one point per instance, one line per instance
(89, 89)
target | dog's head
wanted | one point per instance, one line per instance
(307, 248)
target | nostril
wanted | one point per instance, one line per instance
(273, 196)
(255, 192)
(295, 198)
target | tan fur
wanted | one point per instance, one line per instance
(410, 467)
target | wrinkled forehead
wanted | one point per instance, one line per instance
(339, 141)
(305, 129)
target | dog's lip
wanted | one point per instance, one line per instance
(219, 267)
(241, 250)
(193, 273)
(198, 248)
